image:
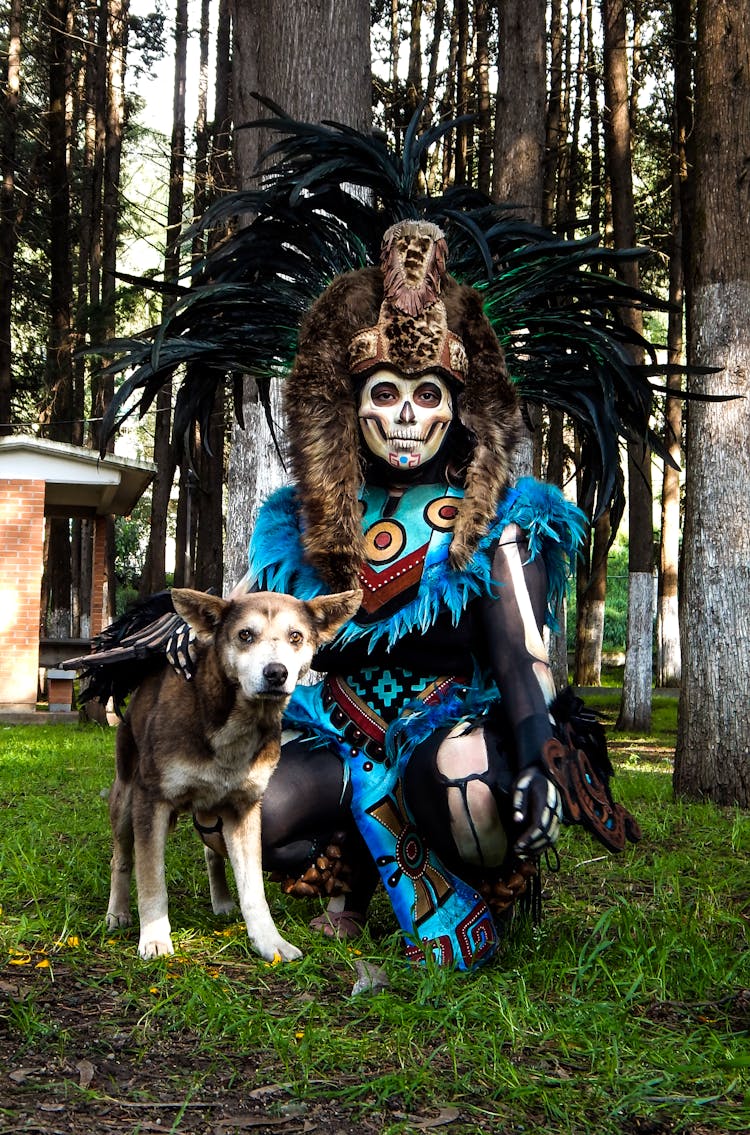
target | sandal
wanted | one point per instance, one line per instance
(341, 924)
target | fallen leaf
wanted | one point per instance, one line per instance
(445, 1116)
(370, 978)
(86, 1072)
(18, 1075)
(267, 1090)
(247, 1122)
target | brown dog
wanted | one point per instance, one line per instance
(209, 746)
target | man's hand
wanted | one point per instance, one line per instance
(536, 805)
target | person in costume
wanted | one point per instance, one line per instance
(435, 724)
(434, 754)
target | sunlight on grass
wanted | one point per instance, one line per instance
(626, 1006)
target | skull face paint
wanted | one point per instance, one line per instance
(404, 420)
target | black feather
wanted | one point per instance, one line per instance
(327, 194)
(126, 652)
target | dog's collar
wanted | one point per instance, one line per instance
(199, 827)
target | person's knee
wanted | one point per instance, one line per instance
(475, 822)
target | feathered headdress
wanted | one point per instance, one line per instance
(408, 315)
(303, 279)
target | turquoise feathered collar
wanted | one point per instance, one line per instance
(554, 528)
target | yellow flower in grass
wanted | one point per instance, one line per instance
(72, 941)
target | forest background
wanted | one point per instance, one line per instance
(588, 116)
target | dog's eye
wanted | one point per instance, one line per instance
(296, 637)
(246, 635)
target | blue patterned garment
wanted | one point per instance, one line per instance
(375, 717)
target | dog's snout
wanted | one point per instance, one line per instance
(275, 675)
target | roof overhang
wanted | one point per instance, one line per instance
(77, 481)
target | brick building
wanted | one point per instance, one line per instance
(40, 479)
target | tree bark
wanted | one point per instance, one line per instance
(220, 163)
(591, 595)
(712, 759)
(438, 22)
(312, 57)
(573, 172)
(8, 237)
(463, 130)
(59, 359)
(553, 125)
(595, 218)
(414, 73)
(668, 661)
(518, 165)
(484, 144)
(635, 708)
(165, 450)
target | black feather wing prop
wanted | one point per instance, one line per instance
(327, 195)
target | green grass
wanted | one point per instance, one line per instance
(623, 1011)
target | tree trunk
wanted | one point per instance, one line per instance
(635, 708)
(573, 178)
(484, 112)
(414, 73)
(165, 459)
(712, 759)
(518, 166)
(448, 103)
(112, 44)
(221, 173)
(591, 595)
(519, 141)
(60, 358)
(553, 125)
(312, 57)
(8, 237)
(463, 130)
(438, 22)
(595, 218)
(111, 144)
(668, 670)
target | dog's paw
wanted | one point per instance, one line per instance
(115, 919)
(151, 949)
(156, 939)
(278, 950)
(224, 908)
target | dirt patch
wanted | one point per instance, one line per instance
(87, 1070)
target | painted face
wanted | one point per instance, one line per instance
(404, 420)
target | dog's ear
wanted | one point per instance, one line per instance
(329, 612)
(200, 611)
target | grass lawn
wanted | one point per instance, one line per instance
(625, 1011)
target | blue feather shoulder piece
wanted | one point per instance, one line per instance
(553, 526)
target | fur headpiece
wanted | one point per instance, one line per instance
(411, 333)
(411, 315)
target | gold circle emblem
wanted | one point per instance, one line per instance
(384, 541)
(442, 513)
